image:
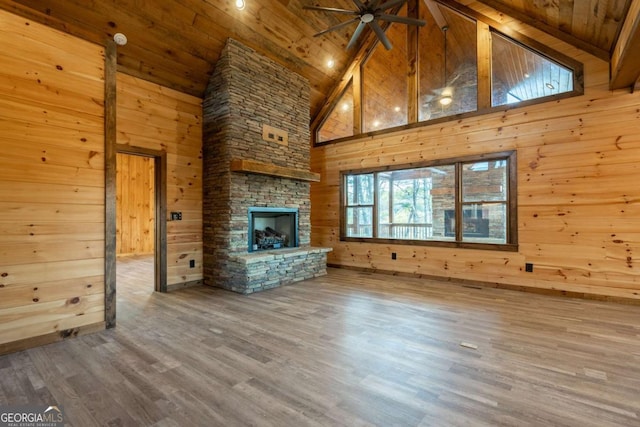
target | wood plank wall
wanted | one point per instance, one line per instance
(51, 183)
(157, 118)
(579, 198)
(135, 205)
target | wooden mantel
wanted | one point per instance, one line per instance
(259, 168)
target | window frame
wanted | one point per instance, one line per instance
(511, 225)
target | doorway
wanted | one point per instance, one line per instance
(135, 225)
(141, 218)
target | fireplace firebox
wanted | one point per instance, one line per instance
(272, 228)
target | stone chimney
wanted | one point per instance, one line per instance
(256, 154)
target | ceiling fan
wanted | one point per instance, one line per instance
(369, 12)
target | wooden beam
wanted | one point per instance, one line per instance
(484, 65)
(412, 61)
(259, 168)
(435, 11)
(555, 32)
(625, 61)
(357, 101)
(110, 75)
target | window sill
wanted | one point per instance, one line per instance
(505, 247)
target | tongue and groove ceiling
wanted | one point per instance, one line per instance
(176, 43)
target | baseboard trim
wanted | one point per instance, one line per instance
(27, 343)
(184, 285)
(478, 283)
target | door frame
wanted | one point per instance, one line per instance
(160, 209)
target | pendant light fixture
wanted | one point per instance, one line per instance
(446, 97)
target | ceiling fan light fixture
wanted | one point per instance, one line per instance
(372, 13)
(367, 17)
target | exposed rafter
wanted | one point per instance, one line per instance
(555, 32)
(625, 61)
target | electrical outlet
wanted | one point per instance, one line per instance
(528, 267)
(192, 263)
(393, 255)
(271, 134)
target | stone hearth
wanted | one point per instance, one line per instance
(246, 93)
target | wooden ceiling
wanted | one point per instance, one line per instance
(176, 43)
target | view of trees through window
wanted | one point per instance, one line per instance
(423, 204)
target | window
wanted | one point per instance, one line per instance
(455, 66)
(359, 210)
(448, 65)
(465, 202)
(339, 122)
(384, 82)
(520, 74)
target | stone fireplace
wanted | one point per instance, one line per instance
(257, 175)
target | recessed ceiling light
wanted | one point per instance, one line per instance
(376, 124)
(397, 109)
(240, 4)
(120, 39)
(550, 86)
(345, 106)
(526, 75)
(331, 63)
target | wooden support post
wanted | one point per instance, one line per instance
(484, 65)
(110, 183)
(412, 61)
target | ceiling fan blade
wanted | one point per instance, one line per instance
(390, 4)
(373, 4)
(337, 27)
(359, 4)
(402, 19)
(381, 35)
(356, 34)
(333, 9)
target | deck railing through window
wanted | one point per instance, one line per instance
(412, 231)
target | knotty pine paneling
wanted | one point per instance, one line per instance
(157, 118)
(135, 205)
(51, 181)
(578, 198)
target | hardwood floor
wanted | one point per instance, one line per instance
(348, 349)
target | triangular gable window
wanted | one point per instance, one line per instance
(339, 122)
(520, 74)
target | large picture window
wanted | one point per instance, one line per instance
(464, 202)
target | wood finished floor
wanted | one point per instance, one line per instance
(348, 349)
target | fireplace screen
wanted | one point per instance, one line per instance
(272, 228)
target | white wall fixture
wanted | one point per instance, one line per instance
(120, 39)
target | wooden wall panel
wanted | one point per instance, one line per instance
(135, 205)
(579, 202)
(158, 118)
(51, 182)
